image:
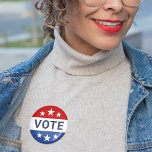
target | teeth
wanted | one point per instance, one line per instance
(108, 23)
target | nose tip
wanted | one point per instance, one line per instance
(115, 5)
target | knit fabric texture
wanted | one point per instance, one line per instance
(92, 90)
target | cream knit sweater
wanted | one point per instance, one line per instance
(92, 90)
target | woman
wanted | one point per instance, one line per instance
(103, 85)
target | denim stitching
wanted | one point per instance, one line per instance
(149, 57)
(144, 126)
(9, 139)
(140, 145)
(10, 142)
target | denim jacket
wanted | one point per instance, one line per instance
(15, 81)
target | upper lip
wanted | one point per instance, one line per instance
(112, 21)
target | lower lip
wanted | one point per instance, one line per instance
(109, 29)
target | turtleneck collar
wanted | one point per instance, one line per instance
(73, 62)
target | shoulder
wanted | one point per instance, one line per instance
(142, 68)
(136, 56)
(9, 72)
(141, 64)
(25, 67)
(149, 57)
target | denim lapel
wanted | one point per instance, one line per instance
(136, 96)
(141, 71)
(141, 77)
(35, 60)
(141, 65)
(11, 79)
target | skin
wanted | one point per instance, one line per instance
(83, 35)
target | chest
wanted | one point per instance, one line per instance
(95, 109)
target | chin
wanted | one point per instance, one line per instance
(108, 46)
(107, 43)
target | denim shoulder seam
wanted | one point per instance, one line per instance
(149, 57)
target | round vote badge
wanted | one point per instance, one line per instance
(48, 124)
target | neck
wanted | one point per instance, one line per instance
(73, 62)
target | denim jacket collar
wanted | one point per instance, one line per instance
(141, 64)
(141, 71)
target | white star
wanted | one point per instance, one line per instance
(55, 136)
(42, 113)
(39, 135)
(51, 112)
(58, 115)
(47, 137)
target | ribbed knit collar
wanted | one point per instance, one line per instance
(73, 62)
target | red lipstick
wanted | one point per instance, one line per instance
(107, 28)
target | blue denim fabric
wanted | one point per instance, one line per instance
(15, 81)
